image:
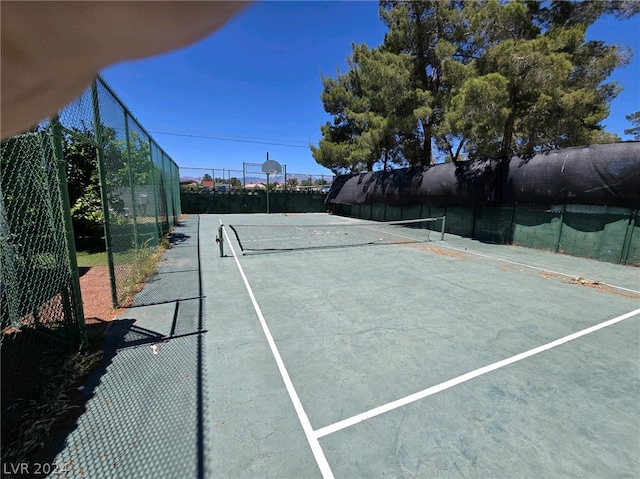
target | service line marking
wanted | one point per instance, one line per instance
(318, 453)
(465, 377)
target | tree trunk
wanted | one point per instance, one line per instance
(458, 150)
(425, 160)
(507, 138)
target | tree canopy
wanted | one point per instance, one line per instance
(456, 80)
(634, 118)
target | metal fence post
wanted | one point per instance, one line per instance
(627, 237)
(104, 199)
(175, 191)
(513, 215)
(177, 203)
(564, 210)
(244, 176)
(168, 190)
(167, 178)
(153, 174)
(286, 187)
(56, 139)
(267, 193)
(130, 172)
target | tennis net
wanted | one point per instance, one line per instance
(280, 237)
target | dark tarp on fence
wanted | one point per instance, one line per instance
(595, 175)
(606, 175)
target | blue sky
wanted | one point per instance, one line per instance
(254, 86)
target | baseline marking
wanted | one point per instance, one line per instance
(465, 377)
(318, 453)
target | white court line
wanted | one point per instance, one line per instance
(525, 265)
(536, 268)
(318, 453)
(463, 378)
(398, 234)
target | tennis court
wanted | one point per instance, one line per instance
(413, 357)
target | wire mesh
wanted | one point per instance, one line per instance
(139, 195)
(310, 183)
(251, 177)
(140, 190)
(96, 162)
(41, 320)
(35, 276)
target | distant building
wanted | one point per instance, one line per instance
(254, 186)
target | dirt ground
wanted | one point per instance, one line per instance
(96, 297)
(96, 294)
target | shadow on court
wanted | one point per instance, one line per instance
(143, 408)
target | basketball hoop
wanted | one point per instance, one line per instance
(270, 167)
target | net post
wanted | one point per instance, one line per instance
(444, 219)
(220, 240)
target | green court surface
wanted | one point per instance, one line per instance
(425, 358)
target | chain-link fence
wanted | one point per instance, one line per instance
(138, 198)
(250, 177)
(42, 317)
(37, 275)
(140, 194)
(93, 164)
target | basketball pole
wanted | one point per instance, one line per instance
(270, 167)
